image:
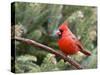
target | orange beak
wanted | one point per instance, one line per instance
(58, 33)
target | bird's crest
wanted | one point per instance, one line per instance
(64, 26)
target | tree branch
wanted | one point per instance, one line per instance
(49, 49)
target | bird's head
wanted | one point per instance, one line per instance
(63, 27)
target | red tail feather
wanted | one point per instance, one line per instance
(86, 52)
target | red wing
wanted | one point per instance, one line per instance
(79, 44)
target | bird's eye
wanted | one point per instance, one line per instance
(60, 30)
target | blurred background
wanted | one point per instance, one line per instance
(38, 21)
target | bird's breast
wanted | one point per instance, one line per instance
(68, 45)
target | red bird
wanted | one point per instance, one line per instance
(68, 43)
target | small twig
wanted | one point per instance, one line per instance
(51, 50)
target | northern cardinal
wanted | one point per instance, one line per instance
(68, 43)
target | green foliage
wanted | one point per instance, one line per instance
(24, 63)
(91, 62)
(39, 21)
(62, 65)
(49, 63)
